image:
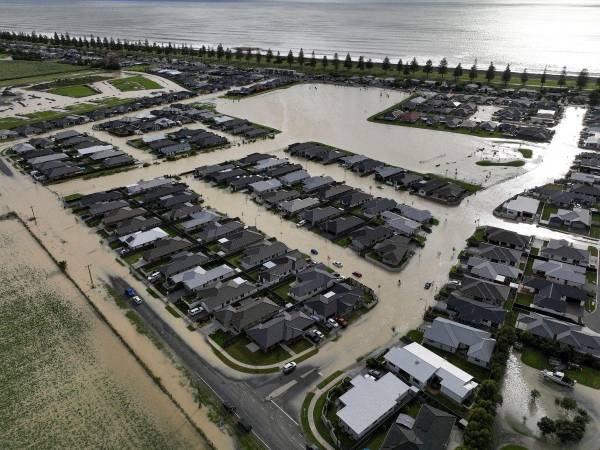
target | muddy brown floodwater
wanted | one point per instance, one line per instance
(335, 116)
(66, 378)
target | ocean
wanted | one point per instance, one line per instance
(523, 33)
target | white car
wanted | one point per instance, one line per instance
(301, 223)
(331, 323)
(153, 277)
(288, 367)
(338, 264)
(137, 299)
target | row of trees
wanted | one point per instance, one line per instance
(248, 54)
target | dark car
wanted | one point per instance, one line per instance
(428, 285)
(130, 292)
(314, 251)
(244, 426)
(357, 274)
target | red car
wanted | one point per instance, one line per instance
(357, 274)
(343, 322)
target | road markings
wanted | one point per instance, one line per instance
(289, 417)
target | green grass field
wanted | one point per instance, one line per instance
(488, 163)
(12, 70)
(76, 91)
(135, 83)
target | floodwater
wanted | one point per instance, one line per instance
(337, 115)
(518, 416)
(522, 33)
(70, 373)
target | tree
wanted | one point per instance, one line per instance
(220, 51)
(562, 78)
(278, 58)
(428, 68)
(489, 391)
(458, 72)
(546, 425)
(443, 67)
(414, 65)
(583, 79)
(313, 59)
(269, 55)
(473, 72)
(336, 61)
(568, 403)
(348, 61)
(248, 54)
(543, 78)
(290, 58)
(524, 77)
(369, 63)
(490, 73)
(361, 63)
(301, 57)
(111, 61)
(62, 265)
(406, 69)
(506, 75)
(385, 65)
(324, 61)
(400, 66)
(534, 394)
(258, 55)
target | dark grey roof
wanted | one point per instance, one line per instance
(480, 289)
(247, 313)
(165, 247)
(474, 312)
(282, 328)
(183, 263)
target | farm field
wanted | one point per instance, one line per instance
(76, 91)
(22, 69)
(59, 362)
(135, 83)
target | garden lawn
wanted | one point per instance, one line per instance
(10, 70)
(76, 91)
(587, 376)
(488, 163)
(534, 358)
(135, 83)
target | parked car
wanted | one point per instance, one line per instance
(338, 264)
(229, 407)
(428, 285)
(314, 251)
(375, 373)
(331, 323)
(153, 277)
(245, 426)
(137, 299)
(124, 251)
(315, 335)
(288, 367)
(343, 322)
(301, 223)
(195, 311)
(130, 292)
(357, 274)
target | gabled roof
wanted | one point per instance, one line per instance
(474, 312)
(558, 249)
(474, 288)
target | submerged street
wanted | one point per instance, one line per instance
(336, 116)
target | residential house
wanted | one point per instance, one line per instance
(576, 337)
(259, 254)
(561, 273)
(223, 294)
(484, 291)
(493, 271)
(393, 251)
(561, 250)
(475, 345)
(577, 219)
(341, 225)
(367, 236)
(422, 367)
(369, 402)
(521, 207)
(317, 215)
(339, 300)
(310, 282)
(246, 314)
(165, 247)
(141, 239)
(198, 278)
(505, 238)
(283, 328)
(275, 270)
(475, 313)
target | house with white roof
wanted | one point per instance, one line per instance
(199, 278)
(370, 402)
(422, 367)
(141, 239)
(521, 207)
(93, 149)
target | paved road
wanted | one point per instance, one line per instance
(270, 423)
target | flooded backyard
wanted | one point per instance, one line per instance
(335, 116)
(518, 416)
